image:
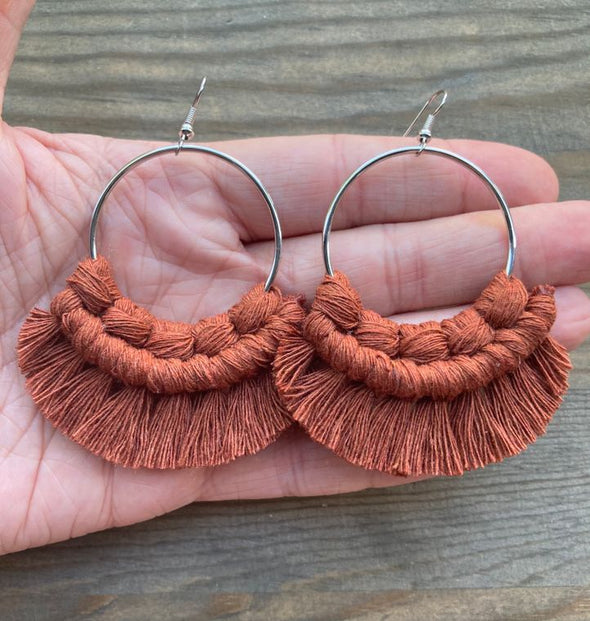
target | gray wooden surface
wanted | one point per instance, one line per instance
(509, 542)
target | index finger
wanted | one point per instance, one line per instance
(304, 173)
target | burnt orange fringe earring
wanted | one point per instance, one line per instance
(428, 399)
(145, 392)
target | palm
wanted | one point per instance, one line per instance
(186, 238)
(50, 182)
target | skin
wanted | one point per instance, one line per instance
(187, 237)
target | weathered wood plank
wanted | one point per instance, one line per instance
(524, 604)
(511, 541)
(296, 67)
(523, 523)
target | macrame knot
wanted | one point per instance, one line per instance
(423, 342)
(254, 309)
(94, 284)
(542, 304)
(128, 321)
(168, 341)
(166, 357)
(213, 335)
(64, 302)
(376, 332)
(336, 298)
(467, 333)
(438, 361)
(502, 301)
(86, 334)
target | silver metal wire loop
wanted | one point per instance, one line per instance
(424, 136)
(182, 146)
(198, 149)
(440, 153)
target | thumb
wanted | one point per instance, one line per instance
(13, 15)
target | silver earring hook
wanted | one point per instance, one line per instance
(187, 130)
(426, 132)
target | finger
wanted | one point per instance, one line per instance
(13, 15)
(571, 328)
(303, 174)
(444, 262)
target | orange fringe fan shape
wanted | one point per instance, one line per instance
(141, 391)
(428, 399)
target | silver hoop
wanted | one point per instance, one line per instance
(176, 149)
(418, 149)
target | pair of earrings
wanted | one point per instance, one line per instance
(433, 398)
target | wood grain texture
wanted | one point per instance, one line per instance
(511, 542)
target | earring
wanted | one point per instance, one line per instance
(145, 392)
(428, 399)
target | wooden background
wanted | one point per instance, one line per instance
(509, 542)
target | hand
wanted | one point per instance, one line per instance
(424, 235)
